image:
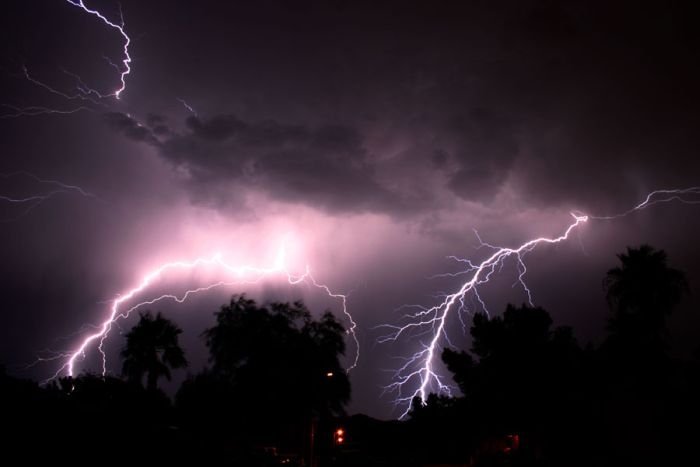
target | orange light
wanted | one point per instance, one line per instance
(339, 436)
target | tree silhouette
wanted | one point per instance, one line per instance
(275, 373)
(519, 347)
(638, 380)
(518, 377)
(280, 353)
(642, 292)
(152, 349)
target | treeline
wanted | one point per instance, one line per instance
(531, 395)
(274, 393)
(274, 376)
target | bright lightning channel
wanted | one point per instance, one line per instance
(418, 371)
(82, 91)
(125, 69)
(121, 307)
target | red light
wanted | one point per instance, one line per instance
(513, 443)
(339, 436)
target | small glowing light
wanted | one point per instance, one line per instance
(339, 436)
(329, 374)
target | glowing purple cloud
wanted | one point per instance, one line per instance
(230, 275)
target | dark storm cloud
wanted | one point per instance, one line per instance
(545, 96)
(161, 130)
(153, 120)
(158, 124)
(576, 106)
(486, 151)
(604, 99)
(327, 166)
(130, 127)
(219, 128)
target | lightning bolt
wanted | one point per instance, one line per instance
(125, 69)
(684, 195)
(54, 188)
(187, 106)
(122, 306)
(418, 371)
(82, 91)
(34, 110)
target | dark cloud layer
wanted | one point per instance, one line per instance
(327, 167)
(544, 96)
(130, 128)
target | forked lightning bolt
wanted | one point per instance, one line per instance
(417, 377)
(125, 69)
(50, 189)
(82, 91)
(124, 305)
(684, 195)
(34, 110)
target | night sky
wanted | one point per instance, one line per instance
(373, 137)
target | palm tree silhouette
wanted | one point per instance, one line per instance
(152, 349)
(642, 292)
